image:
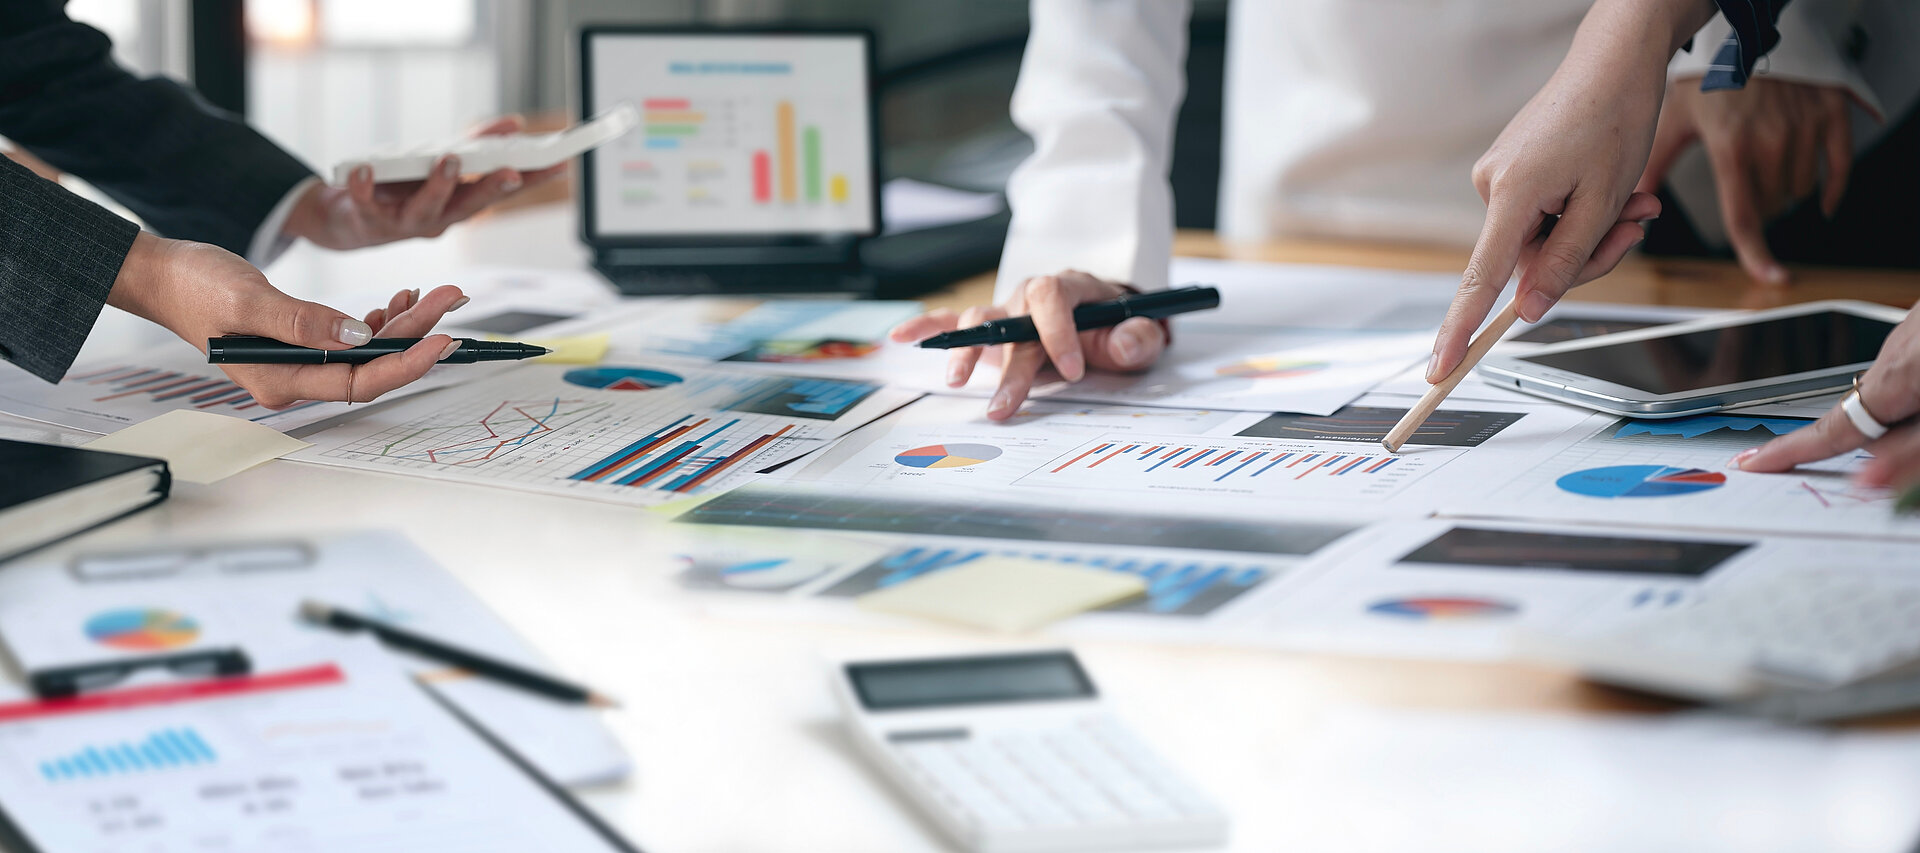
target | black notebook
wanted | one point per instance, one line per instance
(49, 492)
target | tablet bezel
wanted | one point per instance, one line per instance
(1518, 371)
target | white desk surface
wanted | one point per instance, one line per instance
(729, 722)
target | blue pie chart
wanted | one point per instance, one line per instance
(1640, 481)
(621, 378)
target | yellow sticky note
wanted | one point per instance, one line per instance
(1005, 593)
(577, 349)
(201, 447)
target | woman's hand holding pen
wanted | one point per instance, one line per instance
(1890, 393)
(1050, 299)
(200, 291)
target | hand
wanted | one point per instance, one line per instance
(1891, 393)
(201, 291)
(1050, 299)
(1574, 151)
(1766, 143)
(367, 214)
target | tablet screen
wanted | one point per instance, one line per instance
(1730, 355)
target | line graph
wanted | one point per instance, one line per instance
(508, 425)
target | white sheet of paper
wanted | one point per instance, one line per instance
(333, 753)
(103, 606)
(200, 447)
(627, 433)
(1375, 780)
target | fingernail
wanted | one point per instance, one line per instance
(511, 184)
(1002, 401)
(450, 166)
(1433, 367)
(1774, 274)
(352, 332)
(363, 173)
(451, 346)
(1740, 459)
(414, 299)
(459, 303)
(1072, 366)
(955, 376)
(1535, 306)
(1127, 346)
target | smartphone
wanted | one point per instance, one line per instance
(1699, 366)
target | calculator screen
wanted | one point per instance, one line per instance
(897, 685)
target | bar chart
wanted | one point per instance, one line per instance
(177, 389)
(662, 461)
(1190, 464)
(164, 749)
(1177, 585)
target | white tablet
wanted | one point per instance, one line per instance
(1705, 365)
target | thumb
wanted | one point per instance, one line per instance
(310, 324)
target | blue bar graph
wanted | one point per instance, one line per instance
(1172, 588)
(164, 749)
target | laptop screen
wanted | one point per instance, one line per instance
(741, 134)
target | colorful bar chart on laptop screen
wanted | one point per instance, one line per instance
(738, 134)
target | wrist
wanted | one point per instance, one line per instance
(307, 220)
(1659, 27)
(140, 287)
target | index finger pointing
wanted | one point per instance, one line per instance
(1494, 256)
(1831, 435)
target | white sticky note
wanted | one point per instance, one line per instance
(201, 447)
(1005, 594)
(578, 349)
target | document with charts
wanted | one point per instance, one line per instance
(1151, 459)
(930, 489)
(639, 434)
(315, 756)
(106, 396)
(1472, 589)
(1677, 473)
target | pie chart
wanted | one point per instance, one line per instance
(948, 455)
(142, 629)
(621, 378)
(1443, 608)
(1640, 481)
(779, 573)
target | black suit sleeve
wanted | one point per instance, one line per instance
(59, 254)
(189, 170)
(1754, 33)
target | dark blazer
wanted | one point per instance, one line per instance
(189, 170)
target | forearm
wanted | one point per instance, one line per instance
(185, 168)
(59, 257)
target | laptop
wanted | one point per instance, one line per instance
(755, 168)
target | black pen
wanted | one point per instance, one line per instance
(247, 349)
(1093, 315)
(506, 673)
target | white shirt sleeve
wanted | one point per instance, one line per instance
(1812, 49)
(268, 243)
(1100, 85)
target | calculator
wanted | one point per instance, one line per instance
(1016, 752)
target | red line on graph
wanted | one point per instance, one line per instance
(225, 397)
(1128, 449)
(1069, 463)
(499, 443)
(648, 448)
(1302, 459)
(665, 104)
(136, 388)
(666, 465)
(1379, 465)
(1323, 464)
(1352, 465)
(108, 374)
(1218, 460)
(739, 455)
